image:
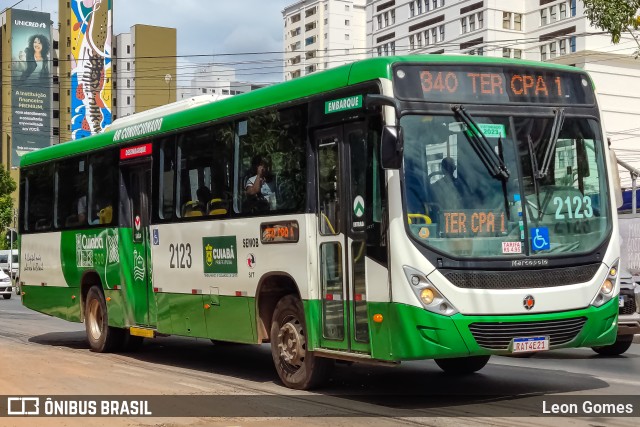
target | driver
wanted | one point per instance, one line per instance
(445, 191)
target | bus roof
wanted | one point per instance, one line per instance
(335, 78)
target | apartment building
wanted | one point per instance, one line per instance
(213, 79)
(529, 29)
(322, 34)
(144, 69)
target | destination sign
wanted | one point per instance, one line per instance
(136, 151)
(468, 222)
(280, 232)
(491, 85)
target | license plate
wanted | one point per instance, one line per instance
(620, 301)
(521, 345)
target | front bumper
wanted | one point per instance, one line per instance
(414, 333)
(629, 324)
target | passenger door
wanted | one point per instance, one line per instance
(135, 258)
(341, 178)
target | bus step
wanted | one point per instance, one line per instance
(351, 357)
(142, 332)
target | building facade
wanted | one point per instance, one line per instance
(322, 34)
(528, 29)
(217, 80)
(145, 69)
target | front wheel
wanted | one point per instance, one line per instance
(7, 296)
(102, 337)
(463, 365)
(621, 345)
(297, 367)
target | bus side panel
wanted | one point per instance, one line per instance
(45, 287)
(93, 251)
(227, 321)
(208, 262)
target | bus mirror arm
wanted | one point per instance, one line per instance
(372, 101)
(391, 147)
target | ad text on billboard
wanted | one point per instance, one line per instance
(31, 82)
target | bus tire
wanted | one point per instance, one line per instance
(7, 296)
(622, 344)
(102, 337)
(462, 365)
(297, 368)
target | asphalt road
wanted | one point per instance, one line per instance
(41, 355)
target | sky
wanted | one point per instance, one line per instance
(205, 27)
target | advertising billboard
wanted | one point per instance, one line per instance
(91, 42)
(31, 82)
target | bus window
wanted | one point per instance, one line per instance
(271, 165)
(71, 206)
(39, 198)
(329, 186)
(205, 159)
(166, 202)
(103, 179)
(219, 179)
(196, 156)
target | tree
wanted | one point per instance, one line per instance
(616, 17)
(7, 186)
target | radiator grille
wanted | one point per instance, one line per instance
(522, 279)
(629, 302)
(498, 335)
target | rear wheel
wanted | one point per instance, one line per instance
(102, 337)
(297, 367)
(7, 296)
(621, 345)
(463, 365)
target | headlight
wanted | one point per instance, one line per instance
(428, 295)
(606, 291)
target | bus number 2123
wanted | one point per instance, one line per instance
(180, 255)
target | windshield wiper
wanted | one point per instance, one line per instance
(481, 145)
(558, 121)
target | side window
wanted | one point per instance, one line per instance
(166, 178)
(103, 188)
(39, 199)
(376, 194)
(271, 165)
(71, 204)
(220, 188)
(204, 176)
(329, 185)
(195, 155)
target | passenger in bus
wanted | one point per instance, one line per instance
(446, 190)
(259, 187)
(204, 197)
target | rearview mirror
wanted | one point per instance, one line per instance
(391, 147)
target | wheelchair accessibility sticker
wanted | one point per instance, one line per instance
(540, 239)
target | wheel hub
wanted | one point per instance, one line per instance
(95, 319)
(291, 343)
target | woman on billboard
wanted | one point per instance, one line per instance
(37, 60)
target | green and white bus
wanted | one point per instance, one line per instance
(397, 208)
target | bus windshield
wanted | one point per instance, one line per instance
(457, 206)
